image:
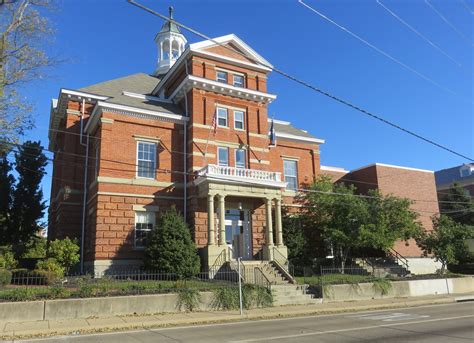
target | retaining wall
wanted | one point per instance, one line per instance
(95, 307)
(399, 289)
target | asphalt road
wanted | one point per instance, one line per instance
(438, 323)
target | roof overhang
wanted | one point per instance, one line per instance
(218, 87)
(59, 107)
(102, 106)
(290, 137)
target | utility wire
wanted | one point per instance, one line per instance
(314, 88)
(380, 51)
(160, 170)
(418, 33)
(460, 34)
(466, 6)
(168, 171)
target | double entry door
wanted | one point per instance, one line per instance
(238, 233)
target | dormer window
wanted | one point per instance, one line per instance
(221, 76)
(238, 81)
(466, 170)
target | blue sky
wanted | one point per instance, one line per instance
(106, 39)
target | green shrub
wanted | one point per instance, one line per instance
(383, 285)
(7, 259)
(65, 252)
(86, 291)
(50, 269)
(188, 299)
(5, 277)
(170, 247)
(57, 292)
(226, 298)
(35, 248)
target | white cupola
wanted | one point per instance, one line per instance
(171, 44)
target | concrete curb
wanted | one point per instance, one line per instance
(130, 323)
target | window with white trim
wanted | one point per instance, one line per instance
(239, 120)
(238, 81)
(240, 158)
(221, 76)
(290, 172)
(223, 156)
(222, 116)
(146, 159)
(144, 224)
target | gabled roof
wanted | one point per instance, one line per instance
(236, 41)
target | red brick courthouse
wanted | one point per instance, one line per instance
(195, 134)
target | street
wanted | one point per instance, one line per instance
(437, 323)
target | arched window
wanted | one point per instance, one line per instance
(175, 49)
(165, 50)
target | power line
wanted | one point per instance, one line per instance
(460, 34)
(466, 6)
(380, 51)
(163, 170)
(316, 89)
(418, 33)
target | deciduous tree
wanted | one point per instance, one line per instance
(24, 34)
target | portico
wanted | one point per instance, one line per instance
(233, 192)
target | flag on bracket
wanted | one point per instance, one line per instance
(273, 139)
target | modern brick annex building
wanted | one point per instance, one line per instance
(195, 134)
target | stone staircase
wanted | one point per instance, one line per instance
(283, 287)
(382, 266)
(292, 295)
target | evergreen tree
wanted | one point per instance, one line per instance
(28, 205)
(458, 205)
(170, 247)
(6, 184)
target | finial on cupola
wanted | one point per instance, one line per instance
(171, 10)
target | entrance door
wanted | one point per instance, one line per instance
(238, 233)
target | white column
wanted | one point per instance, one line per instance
(269, 235)
(222, 240)
(211, 240)
(278, 228)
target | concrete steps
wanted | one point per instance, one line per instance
(383, 267)
(292, 295)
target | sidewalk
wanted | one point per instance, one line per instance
(9, 331)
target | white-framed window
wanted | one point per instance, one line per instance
(239, 81)
(222, 117)
(144, 223)
(221, 76)
(290, 172)
(146, 159)
(239, 120)
(240, 158)
(223, 156)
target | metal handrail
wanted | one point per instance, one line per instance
(259, 275)
(239, 262)
(400, 258)
(287, 265)
(220, 261)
